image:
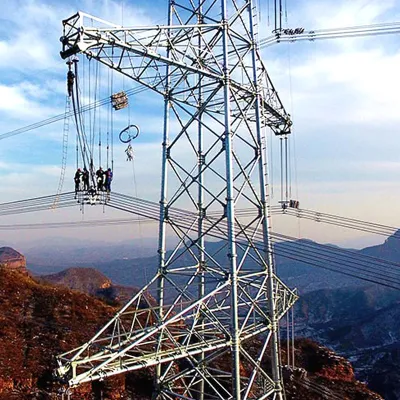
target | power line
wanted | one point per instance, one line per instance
(332, 219)
(334, 33)
(327, 257)
(347, 262)
(60, 117)
(75, 224)
(295, 35)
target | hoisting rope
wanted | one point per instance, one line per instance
(87, 155)
(89, 90)
(112, 118)
(77, 149)
(96, 88)
(100, 147)
(145, 272)
(271, 163)
(286, 170)
(77, 117)
(96, 95)
(281, 153)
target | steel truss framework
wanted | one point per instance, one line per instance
(218, 103)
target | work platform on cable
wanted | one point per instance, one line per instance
(95, 191)
(92, 182)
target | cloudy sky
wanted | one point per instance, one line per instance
(342, 95)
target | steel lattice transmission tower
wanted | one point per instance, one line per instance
(213, 298)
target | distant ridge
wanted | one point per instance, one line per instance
(86, 280)
(92, 282)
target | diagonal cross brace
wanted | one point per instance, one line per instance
(141, 53)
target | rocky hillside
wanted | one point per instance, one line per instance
(389, 250)
(362, 324)
(38, 321)
(92, 282)
(86, 280)
(12, 259)
(322, 374)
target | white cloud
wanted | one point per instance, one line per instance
(344, 99)
(20, 103)
(329, 14)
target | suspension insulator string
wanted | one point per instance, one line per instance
(108, 149)
(95, 113)
(90, 98)
(80, 138)
(112, 124)
(290, 168)
(286, 14)
(109, 112)
(100, 130)
(90, 144)
(87, 155)
(271, 163)
(100, 147)
(77, 151)
(78, 117)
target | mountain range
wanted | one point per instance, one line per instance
(359, 320)
(40, 320)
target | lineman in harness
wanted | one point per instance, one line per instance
(77, 180)
(109, 178)
(70, 80)
(100, 175)
(85, 179)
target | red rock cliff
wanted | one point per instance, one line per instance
(12, 260)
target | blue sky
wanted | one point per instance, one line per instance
(342, 94)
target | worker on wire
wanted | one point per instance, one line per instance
(129, 153)
(85, 179)
(70, 77)
(77, 180)
(109, 178)
(70, 82)
(100, 176)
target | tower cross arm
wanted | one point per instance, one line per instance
(103, 40)
(190, 51)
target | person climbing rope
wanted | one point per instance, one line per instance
(109, 178)
(70, 82)
(129, 153)
(77, 180)
(85, 179)
(100, 179)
